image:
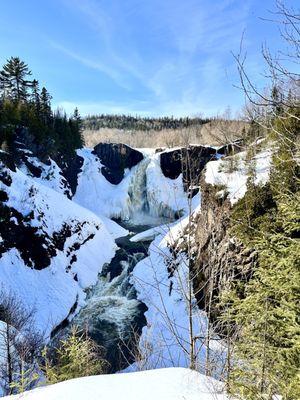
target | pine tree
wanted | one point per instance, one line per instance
(35, 96)
(45, 104)
(76, 356)
(268, 349)
(77, 127)
(265, 309)
(13, 79)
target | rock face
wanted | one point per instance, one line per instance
(231, 148)
(71, 171)
(116, 157)
(189, 161)
(220, 259)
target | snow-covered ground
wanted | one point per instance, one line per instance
(235, 181)
(160, 384)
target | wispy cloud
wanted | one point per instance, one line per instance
(114, 74)
(197, 35)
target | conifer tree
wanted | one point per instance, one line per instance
(76, 356)
(45, 104)
(13, 79)
(35, 95)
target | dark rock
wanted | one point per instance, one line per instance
(16, 232)
(231, 148)
(7, 160)
(35, 171)
(116, 157)
(189, 161)
(218, 254)
(71, 170)
(3, 196)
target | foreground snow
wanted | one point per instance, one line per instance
(162, 384)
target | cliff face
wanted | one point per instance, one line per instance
(116, 157)
(220, 259)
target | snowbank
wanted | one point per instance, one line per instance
(161, 384)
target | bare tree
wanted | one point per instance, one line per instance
(19, 344)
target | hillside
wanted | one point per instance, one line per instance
(215, 132)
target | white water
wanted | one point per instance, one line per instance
(112, 301)
(143, 205)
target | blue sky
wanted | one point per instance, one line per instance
(149, 57)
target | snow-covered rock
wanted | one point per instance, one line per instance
(160, 384)
(51, 248)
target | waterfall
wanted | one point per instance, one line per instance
(143, 206)
(138, 203)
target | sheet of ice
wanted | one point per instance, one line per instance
(235, 182)
(160, 384)
(149, 234)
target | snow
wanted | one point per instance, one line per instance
(235, 182)
(164, 195)
(51, 175)
(149, 234)
(53, 290)
(160, 384)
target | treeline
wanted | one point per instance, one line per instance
(128, 122)
(25, 112)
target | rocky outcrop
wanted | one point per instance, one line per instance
(116, 157)
(231, 148)
(220, 259)
(71, 170)
(189, 161)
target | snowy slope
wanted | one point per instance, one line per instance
(48, 174)
(67, 248)
(163, 384)
(162, 283)
(235, 181)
